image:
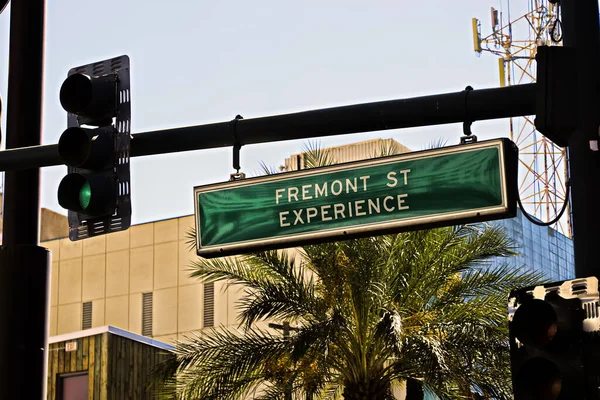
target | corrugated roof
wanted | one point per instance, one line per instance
(113, 330)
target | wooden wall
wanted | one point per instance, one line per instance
(117, 367)
(129, 368)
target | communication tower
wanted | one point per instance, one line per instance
(542, 164)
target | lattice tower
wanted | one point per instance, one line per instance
(542, 164)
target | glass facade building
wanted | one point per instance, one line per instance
(540, 248)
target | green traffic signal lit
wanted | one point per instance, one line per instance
(89, 194)
(75, 193)
(85, 195)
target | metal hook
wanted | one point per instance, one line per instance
(467, 128)
(468, 134)
(236, 151)
(236, 157)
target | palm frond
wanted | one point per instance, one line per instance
(220, 363)
(284, 293)
(190, 238)
(389, 329)
(494, 281)
(230, 269)
(266, 169)
(388, 148)
(436, 144)
(279, 302)
(315, 156)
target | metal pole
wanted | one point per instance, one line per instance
(24, 116)
(580, 30)
(24, 266)
(482, 104)
(286, 334)
(285, 328)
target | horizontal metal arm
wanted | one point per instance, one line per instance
(473, 105)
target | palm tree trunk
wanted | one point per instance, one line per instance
(414, 390)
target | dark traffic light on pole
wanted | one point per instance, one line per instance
(96, 148)
(553, 341)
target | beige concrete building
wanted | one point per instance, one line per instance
(136, 280)
(350, 152)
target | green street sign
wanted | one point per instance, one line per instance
(441, 187)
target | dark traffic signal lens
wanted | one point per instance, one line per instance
(74, 147)
(76, 93)
(538, 379)
(92, 98)
(534, 323)
(85, 148)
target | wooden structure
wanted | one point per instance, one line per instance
(107, 362)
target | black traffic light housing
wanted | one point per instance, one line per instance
(557, 111)
(553, 332)
(96, 147)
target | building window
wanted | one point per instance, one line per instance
(147, 314)
(86, 321)
(73, 387)
(209, 304)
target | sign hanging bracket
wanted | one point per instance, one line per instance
(468, 135)
(236, 151)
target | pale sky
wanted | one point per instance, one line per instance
(197, 62)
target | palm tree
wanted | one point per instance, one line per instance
(426, 309)
(422, 307)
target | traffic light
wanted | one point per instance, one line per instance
(553, 331)
(96, 147)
